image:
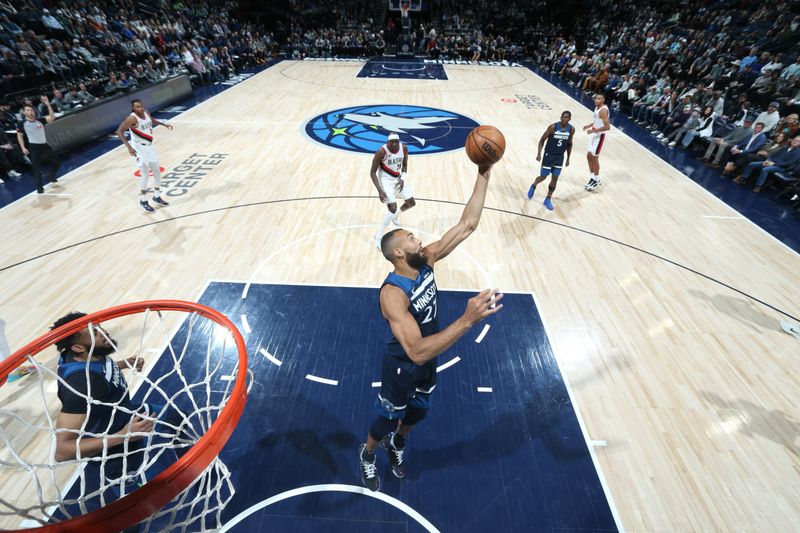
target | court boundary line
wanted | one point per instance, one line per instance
(581, 423)
(372, 198)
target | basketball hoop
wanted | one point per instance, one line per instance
(192, 490)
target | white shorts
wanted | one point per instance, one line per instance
(391, 187)
(596, 141)
(145, 154)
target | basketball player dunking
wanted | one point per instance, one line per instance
(140, 128)
(408, 302)
(559, 140)
(597, 137)
(388, 173)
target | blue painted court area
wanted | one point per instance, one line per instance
(405, 70)
(512, 460)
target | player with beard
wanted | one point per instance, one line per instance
(408, 302)
(86, 371)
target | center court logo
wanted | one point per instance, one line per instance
(363, 129)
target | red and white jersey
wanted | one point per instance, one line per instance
(142, 134)
(392, 163)
(598, 122)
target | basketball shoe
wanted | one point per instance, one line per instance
(369, 470)
(158, 200)
(593, 184)
(395, 456)
(146, 206)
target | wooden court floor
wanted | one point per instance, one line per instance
(662, 304)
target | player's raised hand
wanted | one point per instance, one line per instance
(140, 425)
(135, 362)
(483, 305)
(485, 171)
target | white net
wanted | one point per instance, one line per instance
(55, 466)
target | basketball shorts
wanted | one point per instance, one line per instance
(404, 384)
(551, 164)
(393, 189)
(145, 155)
(596, 141)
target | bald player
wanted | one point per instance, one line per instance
(408, 302)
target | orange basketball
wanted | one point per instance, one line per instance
(485, 145)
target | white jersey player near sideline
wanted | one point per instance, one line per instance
(139, 125)
(388, 173)
(597, 137)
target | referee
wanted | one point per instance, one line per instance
(32, 129)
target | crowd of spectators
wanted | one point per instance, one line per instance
(708, 76)
(79, 52)
(722, 80)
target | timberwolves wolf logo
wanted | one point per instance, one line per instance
(425, 130)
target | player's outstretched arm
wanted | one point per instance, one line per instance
(469, 220)
(394, 306)
(157, 122)
(68, 427)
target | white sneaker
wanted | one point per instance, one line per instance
(672, 144)
(593, 184)
(396, 220)
(14, 174)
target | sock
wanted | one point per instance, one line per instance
(142, 197)
(157, 193)
(398, 441)
(368, 457)
(387, 218)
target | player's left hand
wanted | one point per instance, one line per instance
(135, 362)
(567, 163)
(169, 126)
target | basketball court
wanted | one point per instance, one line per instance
(638, 378)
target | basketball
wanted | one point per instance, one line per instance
(485, 145)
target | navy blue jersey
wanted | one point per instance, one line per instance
(104, 383)
(558, 140)
(422, 297)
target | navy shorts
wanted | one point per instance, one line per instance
(552, 165)
(404, 384)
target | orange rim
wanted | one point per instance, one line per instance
(151, 497)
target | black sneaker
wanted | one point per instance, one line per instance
(146, 206)
(369, 470)
(395, 456)
(158, 200)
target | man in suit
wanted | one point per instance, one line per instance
(781, 160)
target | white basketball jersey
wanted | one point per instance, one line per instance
(598, 122)
(142, 134)
(392, 163)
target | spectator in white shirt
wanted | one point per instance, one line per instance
(770, 117)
